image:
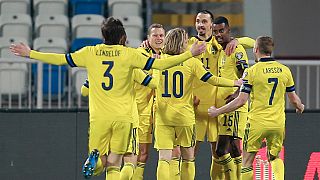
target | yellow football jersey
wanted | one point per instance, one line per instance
(175, 93)
(143, 93)
(229, 67)
(267, 82)
(205, 92)
(140, 77)
(110, 73)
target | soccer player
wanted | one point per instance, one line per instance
(267, 83)
(110, 68)
(175, 118)
(205, 95)
(145, 101)
(130, 158)
(231, 125)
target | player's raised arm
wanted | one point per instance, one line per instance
(206, 76)
(24, 50)
(144, 78)
(246, 42)
(140, 61)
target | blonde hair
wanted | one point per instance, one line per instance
(174, 42)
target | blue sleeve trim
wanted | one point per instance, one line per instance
(149, 64)
(70, 60)
(146, 80)
(206, 76)
(290, 89)
(246, 88)
(86, 83)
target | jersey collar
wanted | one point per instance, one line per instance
(207, 40)
(266, 59)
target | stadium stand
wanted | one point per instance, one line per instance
(87, 7)
(14, 6)
(50, 7)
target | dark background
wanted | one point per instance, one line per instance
(52, 145)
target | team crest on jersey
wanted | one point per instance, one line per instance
(214, 49)
(239, 55)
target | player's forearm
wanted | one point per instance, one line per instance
(171, 61)
(219, 81)
(232, 106)
(295, 100)
(50, 58)
(246, 42)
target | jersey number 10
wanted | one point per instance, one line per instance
(176, 76)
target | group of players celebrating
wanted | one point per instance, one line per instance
(182, 91)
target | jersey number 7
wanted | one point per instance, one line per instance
(275, 81)
(108, 75)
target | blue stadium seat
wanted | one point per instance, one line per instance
(55, 78)
(81, 42)
(88, 6)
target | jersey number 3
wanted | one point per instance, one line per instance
(275, 81)
(108, 75)
(176, 75)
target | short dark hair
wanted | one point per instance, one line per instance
(155, 25)
(112, 31)
(207, 12)
(220, 20)
(265, 45)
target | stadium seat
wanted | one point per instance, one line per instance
(125, 7)
(88, 7)
(48, 44)
(52, 26)
(16, 25)
(14, 6)
(82, 42)
(134, 43)
(13, 76)
(55, 45)
(133, 26)
(86, 26)
(50, 7)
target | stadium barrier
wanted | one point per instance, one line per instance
(52, 144)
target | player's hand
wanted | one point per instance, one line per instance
(300, 109)
(157, 56)
(145, 44)
(196, 102)
(213, 111)
(231, 47)
(238, 82)
(20, 49)
(196, 49)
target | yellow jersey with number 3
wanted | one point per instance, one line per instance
(110, 73)
(267, 82)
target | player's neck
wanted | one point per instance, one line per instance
(205, 37)
(264, 56)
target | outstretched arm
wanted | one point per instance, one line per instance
(232, 106)
(24, 50)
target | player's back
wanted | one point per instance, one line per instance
(270, 80)
(175, 94)
(111, 83)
